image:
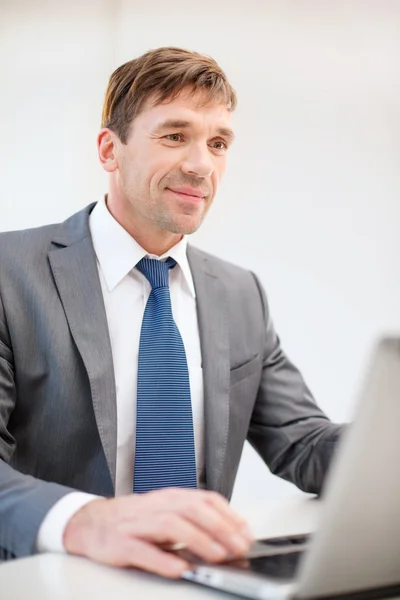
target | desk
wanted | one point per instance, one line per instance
(62, 577)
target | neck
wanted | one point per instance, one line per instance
(152, 239)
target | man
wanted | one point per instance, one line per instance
(132, 362)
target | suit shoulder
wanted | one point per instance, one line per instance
(242, 285)
(32, 233)
(26, 243)
(222, 267)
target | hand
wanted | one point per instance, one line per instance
(132, 530)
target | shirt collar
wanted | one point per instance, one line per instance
(118, 252)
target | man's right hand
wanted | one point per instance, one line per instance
(133, 530)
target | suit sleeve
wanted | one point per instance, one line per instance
(289, 431)
(24, 500)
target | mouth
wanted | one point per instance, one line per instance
(188, 195)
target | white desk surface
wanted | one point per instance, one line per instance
(62, 577)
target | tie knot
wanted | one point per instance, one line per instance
(156, 271)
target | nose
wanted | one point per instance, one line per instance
(198, 161)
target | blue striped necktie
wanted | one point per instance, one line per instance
(165, 455)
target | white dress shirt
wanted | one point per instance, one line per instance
(125, 292)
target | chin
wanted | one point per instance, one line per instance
(185, 226)
(183, 230)
(191, 228)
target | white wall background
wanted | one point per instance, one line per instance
(311, 199)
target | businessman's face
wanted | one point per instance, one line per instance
(168, 172)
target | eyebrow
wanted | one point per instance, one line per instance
(181, 124)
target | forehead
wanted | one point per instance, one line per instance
(197, 108)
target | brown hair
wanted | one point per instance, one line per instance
(163, 72)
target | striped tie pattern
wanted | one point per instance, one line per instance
(165, 454)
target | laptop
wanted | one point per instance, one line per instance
(355, 552)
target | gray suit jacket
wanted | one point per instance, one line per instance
(58, 425)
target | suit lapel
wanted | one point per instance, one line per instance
(73, 263)
(212, 314)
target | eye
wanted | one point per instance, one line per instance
(219, 145)
(174, 137)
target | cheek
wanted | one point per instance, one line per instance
(162, 170)
(216, 178)
(156, 176)
(220, 168)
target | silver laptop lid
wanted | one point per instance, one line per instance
(357, 544)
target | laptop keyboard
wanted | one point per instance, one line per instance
(281, 545)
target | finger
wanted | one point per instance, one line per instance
(127, 551)
(173, 529)
(208, 511)
(175, 499)
(218, 527)
(222, 505)
(153, 559)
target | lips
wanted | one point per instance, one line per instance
(189, 192)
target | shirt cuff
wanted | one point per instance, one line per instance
(51, 530)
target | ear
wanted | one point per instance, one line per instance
(106, 146)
